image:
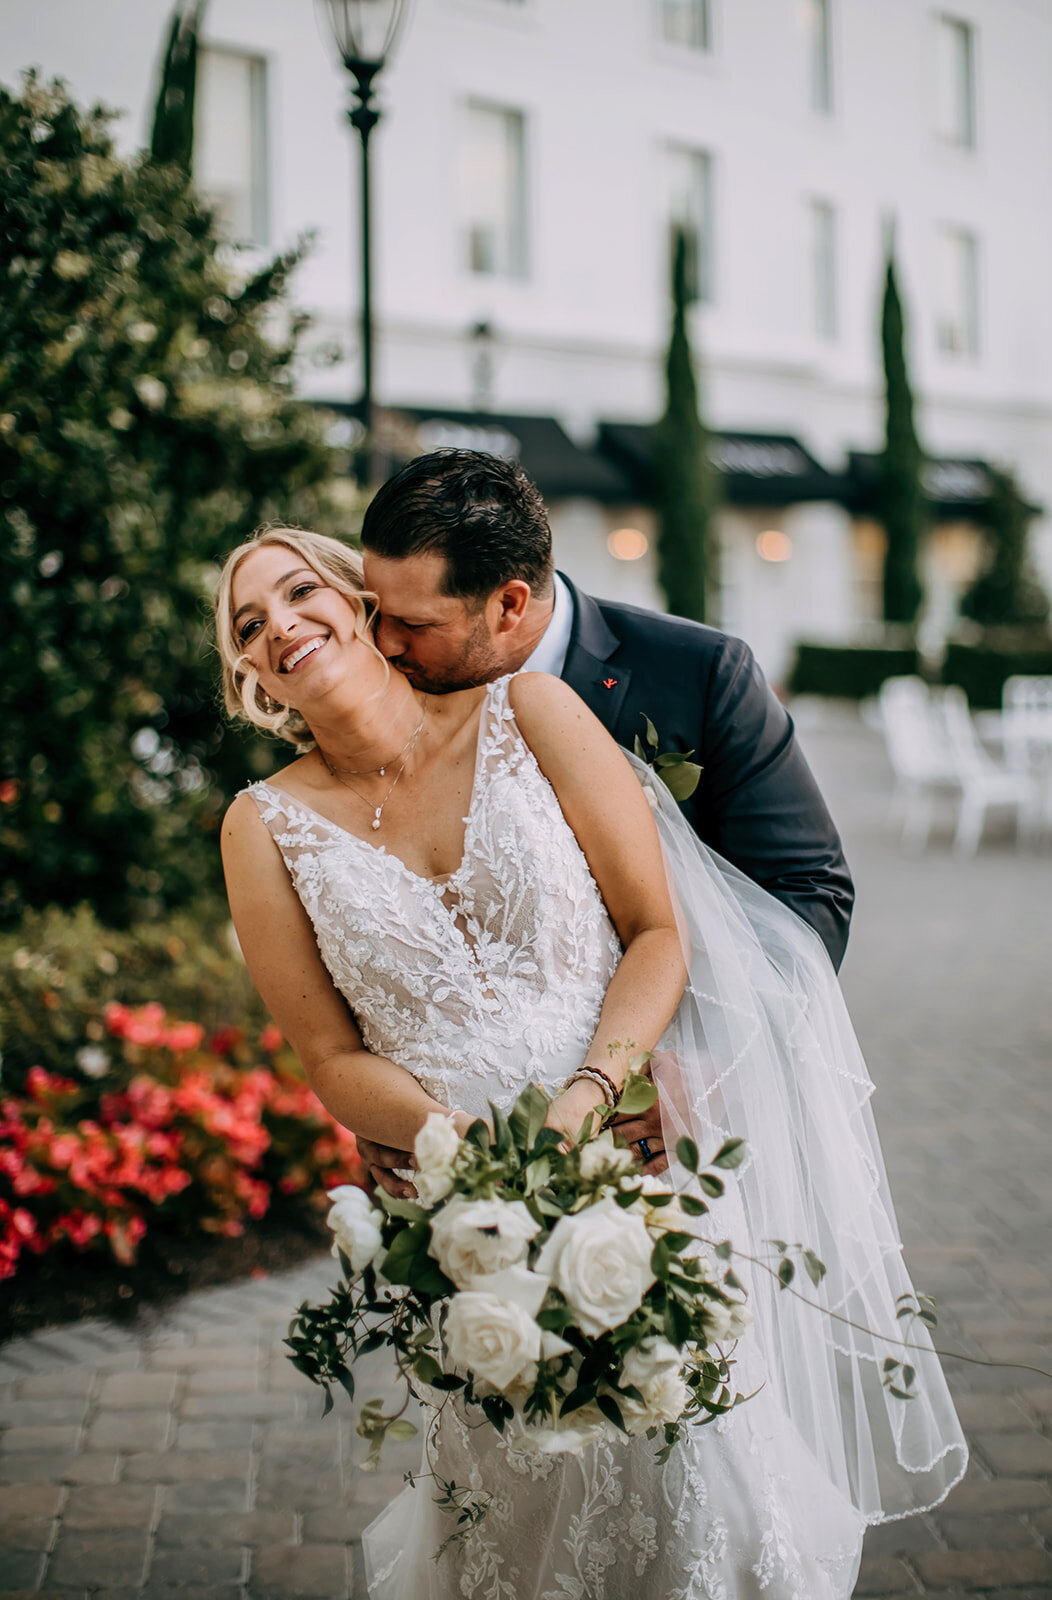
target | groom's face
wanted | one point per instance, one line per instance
(440, 642)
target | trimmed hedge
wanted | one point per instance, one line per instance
(981, 669)
(849, 672)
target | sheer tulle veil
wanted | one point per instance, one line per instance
(762, 1048)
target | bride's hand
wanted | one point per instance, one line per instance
(569, 1109)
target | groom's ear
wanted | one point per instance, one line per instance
(508, 605)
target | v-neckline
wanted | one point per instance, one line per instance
(440, 883)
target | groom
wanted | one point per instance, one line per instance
(458, 549)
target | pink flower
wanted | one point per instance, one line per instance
(271, 1038)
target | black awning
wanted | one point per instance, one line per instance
(954, 486)
(561, 469)
(758, 469)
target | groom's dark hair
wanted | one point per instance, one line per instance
(483, 514)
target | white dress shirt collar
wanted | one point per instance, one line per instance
(551, 649)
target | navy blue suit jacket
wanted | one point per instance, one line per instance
(757, 803)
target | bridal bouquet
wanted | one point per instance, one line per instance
(555, 1291)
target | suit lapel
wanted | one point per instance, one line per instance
(591, 666)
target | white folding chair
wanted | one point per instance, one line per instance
(984, 782)
(920, 756)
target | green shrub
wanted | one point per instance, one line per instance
(59, 969)
(981, 669)
(848, 672)
(147, 424)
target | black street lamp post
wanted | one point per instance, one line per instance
(364, 32)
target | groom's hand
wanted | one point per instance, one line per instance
(380, 1161)
(646, 1125)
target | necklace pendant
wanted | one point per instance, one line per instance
(381, 770)
(376, 820)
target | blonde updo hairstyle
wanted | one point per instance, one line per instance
(341, 568)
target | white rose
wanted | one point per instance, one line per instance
(472, 1238)
(640, 1365)
(490, 1330)
(581, 1428)
(435, 1149)
(431, 1187)
(601, 1155)
(666, 1397)
(436, 1144)
(726, 1322)
(600, 1260)
(659, 1219)
(355, 1222)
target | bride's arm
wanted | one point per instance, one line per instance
(603, 801)
(367, 1093)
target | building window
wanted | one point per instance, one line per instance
(230, 142)
(493, 191)
(957, 327)
(689, 210)
(819, 23)
(956, 82)
(686, 22)
(822, 227)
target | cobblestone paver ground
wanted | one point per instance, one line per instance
(186, 1458)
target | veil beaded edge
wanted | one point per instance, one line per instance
(762, 1048)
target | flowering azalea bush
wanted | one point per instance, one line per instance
(161, 1130)
(553, 1291)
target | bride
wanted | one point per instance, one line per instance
(445, 898)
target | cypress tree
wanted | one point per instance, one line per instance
(901, 493)
(686, 478)
(172, 138)
(1007, 592)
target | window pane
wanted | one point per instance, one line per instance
(493, 191)
(230, 142)
(688, 208)
(957, 326)
(955, 86)
(823, 268)
(686, 22)
(819, 29)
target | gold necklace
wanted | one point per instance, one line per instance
(377, 811)
(363, 772)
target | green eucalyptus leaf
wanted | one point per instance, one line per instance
(527, 1116)
(786, 1273)
(682, 779)
(611, 1411)
(637, 1095)
(730, 1155)
(712, 1185)
(650, 731)
(396, 1206)
(401, 1428)
(816, 1268)
(687, 1154)
(639, 748)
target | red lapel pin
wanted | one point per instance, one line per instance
(609, 683)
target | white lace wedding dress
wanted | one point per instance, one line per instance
(493, 978)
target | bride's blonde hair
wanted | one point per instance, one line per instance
(341, 568)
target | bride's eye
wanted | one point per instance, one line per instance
(245, 633)
(301, 589)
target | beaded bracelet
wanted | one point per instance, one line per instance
(611, 1093)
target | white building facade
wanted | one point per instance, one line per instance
(532, 158)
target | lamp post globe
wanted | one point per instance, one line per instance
(364, 33)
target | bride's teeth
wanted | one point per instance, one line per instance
(301, 655)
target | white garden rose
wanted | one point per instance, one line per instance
(665, 1397)
(640, 1365)
(726, 1322)
(435, 1149)
(490, 1330)
(599, 1260)
(602, 1156)
(436, 1143)
(355, 1223)
(471, 1239)
(581, 1428)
